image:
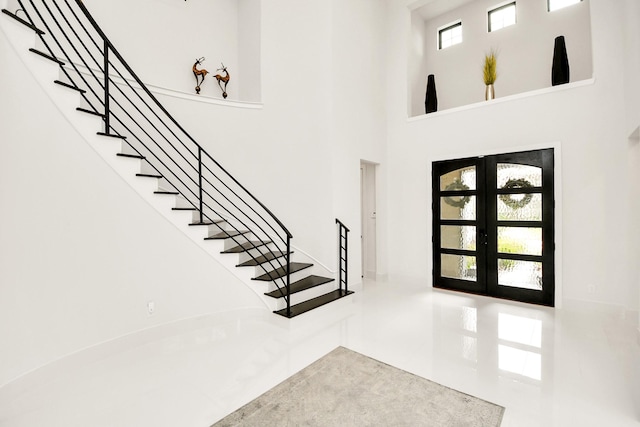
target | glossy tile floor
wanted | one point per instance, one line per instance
(576, 366)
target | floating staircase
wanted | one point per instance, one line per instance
(219, 213)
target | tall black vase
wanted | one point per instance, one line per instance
(560, 67)
(431, 98)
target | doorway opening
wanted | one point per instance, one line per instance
(368, 218)
(493, 226)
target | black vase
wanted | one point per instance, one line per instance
(560, 67)
(431, 98)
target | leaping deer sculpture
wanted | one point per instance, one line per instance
(223, 80)
(199, 73)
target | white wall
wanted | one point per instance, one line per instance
(81, 253)
(161, 39)
(631, 45)
(588, 123)
(249, 51)
(417, 68)
(525, 51)
(631, 34)
(358, 88)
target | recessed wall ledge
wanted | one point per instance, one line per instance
(159, 90)
(509, 98)
(203, 98)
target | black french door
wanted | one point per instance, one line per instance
(493, 226)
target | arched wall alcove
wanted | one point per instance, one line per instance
(161, 39)
(525, 50)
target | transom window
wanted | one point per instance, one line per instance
(502, 16)
(559, 4)
(450, 35)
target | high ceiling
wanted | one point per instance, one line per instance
(433, 8)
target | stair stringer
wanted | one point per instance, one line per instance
(66, 100)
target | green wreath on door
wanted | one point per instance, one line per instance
(508, 199)
(457, 185)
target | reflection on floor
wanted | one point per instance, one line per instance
(576, 366)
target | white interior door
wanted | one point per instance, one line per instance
(368, 222)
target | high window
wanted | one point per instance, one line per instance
(502, 16)
(559, 4)
(450, 35)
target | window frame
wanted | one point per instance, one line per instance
(448, 27)
(500, 7)
(560, 8)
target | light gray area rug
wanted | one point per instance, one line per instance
(345, 388)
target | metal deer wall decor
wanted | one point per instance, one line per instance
(223, 80)
(199, 74)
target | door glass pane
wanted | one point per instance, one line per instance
(511, 175)
(520, 274)
(520, 207)
(520, 240)
(458, 267)
(458, 207)
(458, 237)
(459, 180)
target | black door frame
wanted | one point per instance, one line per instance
(486, 194)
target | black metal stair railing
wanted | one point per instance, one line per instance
(343, 256)
(134, 116)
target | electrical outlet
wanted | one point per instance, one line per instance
(591, 289)
(151, 307)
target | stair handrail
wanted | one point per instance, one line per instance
(169, 115)
(226, 208)
(343, 255)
